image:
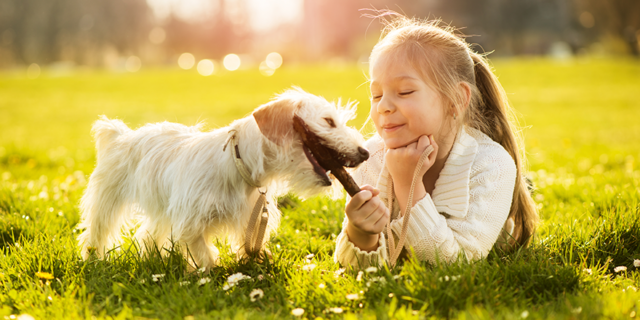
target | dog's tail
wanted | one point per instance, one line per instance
(103, 204)
(105, 131)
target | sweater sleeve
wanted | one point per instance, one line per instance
(444, 236)
(346, 252)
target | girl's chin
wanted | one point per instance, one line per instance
(393, 143)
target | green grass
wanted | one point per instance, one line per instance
(581, 125)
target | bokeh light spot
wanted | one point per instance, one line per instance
(265, 69)
(231, 62)
(274, 60)
(587, 20)
(157, 35)
(186, 61)
(206, 67)
(133, 64)
(33, 71)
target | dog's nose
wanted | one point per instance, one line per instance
(363, 153)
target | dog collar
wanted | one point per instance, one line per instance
(242, 168)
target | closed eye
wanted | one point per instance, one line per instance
(406, 93)
(330, 122)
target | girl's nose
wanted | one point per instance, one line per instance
(385, 105)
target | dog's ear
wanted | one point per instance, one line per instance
(275, 120)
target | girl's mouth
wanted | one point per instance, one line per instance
(392, 128)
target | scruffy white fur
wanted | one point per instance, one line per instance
(186, 188)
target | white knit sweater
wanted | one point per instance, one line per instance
(465, 213)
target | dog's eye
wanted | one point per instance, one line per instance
(330, 122)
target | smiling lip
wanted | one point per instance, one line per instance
(392, 127)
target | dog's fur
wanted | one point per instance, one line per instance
(185, 187)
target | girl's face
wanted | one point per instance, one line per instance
(403, 106)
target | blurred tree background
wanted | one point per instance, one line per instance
(110, 33)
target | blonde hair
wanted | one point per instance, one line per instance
(444, 60)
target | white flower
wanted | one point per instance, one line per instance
(227, 286)
(353, 296)
(587, 271)
(339, 272)
(157, 277)
(309, 267)
(260, 277)
(576, 310)
(143, 281)
(256, 294)
(636, 263)
(619, 269)
(371, 269)
(25, 316)
(359, 276)
(382, 280)
(236, 277)
(524, 314)
(396, 277)
(321, 286)
(310, 256)
(184, 283)
(336, 310)
(204, 281)
(201, 270)
(297, 312)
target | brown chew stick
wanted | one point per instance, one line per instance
(327, 158)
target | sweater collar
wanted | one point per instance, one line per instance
(451, 193)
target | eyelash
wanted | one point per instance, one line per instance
(401, 93)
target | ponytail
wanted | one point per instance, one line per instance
(493, 116)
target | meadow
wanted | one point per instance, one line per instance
(581, 125)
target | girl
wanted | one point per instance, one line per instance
(443, 124)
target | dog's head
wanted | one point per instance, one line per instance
(325, 120)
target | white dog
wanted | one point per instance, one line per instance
(185, 187)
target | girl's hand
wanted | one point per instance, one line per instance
(401, 163)
(367, 218)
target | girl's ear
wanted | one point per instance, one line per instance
(275, 120)
(465, 92)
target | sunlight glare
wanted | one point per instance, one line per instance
(133, 64)
(206, 67)
(265, 69)
(231, 62)
(186, 61)
(274, 60)
(33, 71)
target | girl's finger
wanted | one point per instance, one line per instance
(384, 219)
(374, 191)
(359, 200)
(432, 141)
(377, 211)
(423, 142)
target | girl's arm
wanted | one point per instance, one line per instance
(474, 232)
(351, 248)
